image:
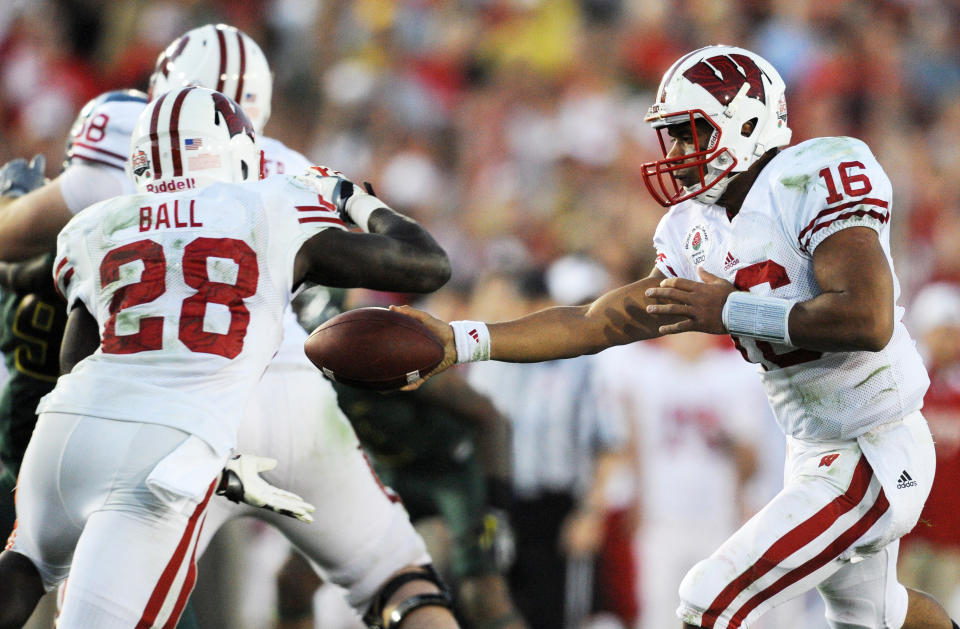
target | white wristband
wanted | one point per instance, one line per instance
(764, 318)
(361, 206)
(472, 340)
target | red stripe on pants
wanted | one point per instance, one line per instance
(188, 584)
(828, 554)
(162, 589)
(797, 538)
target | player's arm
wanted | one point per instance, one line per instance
(81, 337)
(855, 309)
(32, 276)
(32, 211)
(29, 225)
(397, 254)
(615, 318)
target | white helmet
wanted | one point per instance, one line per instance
(221, 58)
(727, 87)
(192, 137)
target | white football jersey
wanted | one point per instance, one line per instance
(100, 138)
(805, 194)
(189, 290)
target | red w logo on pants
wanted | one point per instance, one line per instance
(828, 460)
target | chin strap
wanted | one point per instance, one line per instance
(374, 616)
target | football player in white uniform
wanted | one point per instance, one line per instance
(363, 536)
(786, 249)
(182, 289)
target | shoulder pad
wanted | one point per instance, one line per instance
(818, 151)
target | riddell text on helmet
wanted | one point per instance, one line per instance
(172, 185)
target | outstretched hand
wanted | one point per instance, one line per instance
(443, 331)
(700, 302)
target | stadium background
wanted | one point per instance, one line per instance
(513, 128)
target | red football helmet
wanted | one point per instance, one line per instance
(726, 87)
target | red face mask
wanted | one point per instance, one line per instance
(662, 177)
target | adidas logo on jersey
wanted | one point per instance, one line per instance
(730, 261)
(905, 481)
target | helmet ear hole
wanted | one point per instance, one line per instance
(749, 127)
(244, 169)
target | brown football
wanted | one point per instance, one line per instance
(374, 348)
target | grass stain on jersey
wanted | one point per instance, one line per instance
(799, 182)
(833, 147)
(872, 375)
(809, 395)
(130, 272)
(882, 392)
(223, 270)
(118, 221)
(127, 321)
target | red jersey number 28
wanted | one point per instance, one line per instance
(152, 285)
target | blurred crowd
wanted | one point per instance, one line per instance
(513, 129)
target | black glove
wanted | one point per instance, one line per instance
(341, 194)
(17, 177)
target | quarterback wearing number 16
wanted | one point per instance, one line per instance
(787, 249)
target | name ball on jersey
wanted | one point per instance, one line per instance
(374, 348)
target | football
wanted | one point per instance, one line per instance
(374, 348)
